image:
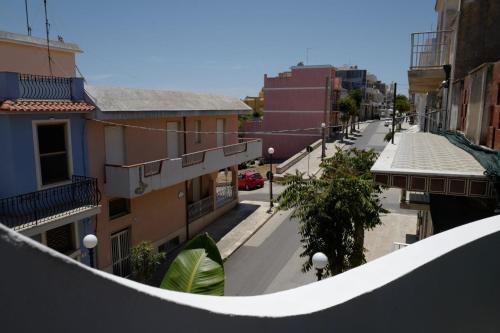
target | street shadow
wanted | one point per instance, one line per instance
(217, 229)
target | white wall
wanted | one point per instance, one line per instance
(446, 283)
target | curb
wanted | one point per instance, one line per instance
(247, 237)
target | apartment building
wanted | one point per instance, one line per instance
(45, 189)
(301, 98)
(157, 156)
(454, 78)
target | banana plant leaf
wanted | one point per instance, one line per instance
(197, 269)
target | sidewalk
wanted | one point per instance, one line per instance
(242, 230)
(314, 158)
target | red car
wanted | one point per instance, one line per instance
(249, 180)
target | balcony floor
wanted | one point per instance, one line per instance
(54, 221)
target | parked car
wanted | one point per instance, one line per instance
(249, 180)
(388, 122)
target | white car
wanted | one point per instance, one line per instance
(388, 122)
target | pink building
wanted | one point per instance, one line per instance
(297, 100)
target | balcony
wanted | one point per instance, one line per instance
(445, 283)
(131, 181)
(35, 212)
(15, 86)
(430, 51)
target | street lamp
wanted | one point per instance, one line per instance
(319, 261)
(323, 147)
(270, 151)
(90, 241)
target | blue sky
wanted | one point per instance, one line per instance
(224, 46)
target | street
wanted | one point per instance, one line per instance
(270, 260)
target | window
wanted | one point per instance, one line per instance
(61, 239)
(197, 129)
(118, 207)
(53, 153)
(169, 245)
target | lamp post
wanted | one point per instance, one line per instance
(270, 151)
(319, 261)
(323, 147)
(90, 241)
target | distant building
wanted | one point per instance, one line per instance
(256, 103)
(296, 100)
(352, 77)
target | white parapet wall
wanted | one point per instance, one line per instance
(446, 283)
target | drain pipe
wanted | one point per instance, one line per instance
(186, 181)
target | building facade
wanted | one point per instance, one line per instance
(300, 99)
(157, 155)
(451, 178)
(45, 189)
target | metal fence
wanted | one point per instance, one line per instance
(31, 209)
(199, 208)
(224, 194)
(44, 87)
(430, 49)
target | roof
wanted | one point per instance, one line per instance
(427, 153)
(127, 102)
(35, 41)
(430, 163)
(44, 106)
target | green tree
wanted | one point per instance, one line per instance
(402, 103)
(335, 209)
(347, 107)
(357, 97)
(198, 269)
(144, 261)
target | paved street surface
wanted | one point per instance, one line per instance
(270, 260)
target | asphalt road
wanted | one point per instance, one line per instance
(270, 260)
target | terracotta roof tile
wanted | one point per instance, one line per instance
(45, 106)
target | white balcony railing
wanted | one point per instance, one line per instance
(430, 49)
(130, 181)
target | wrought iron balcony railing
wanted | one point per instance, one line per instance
(199, 208)
(44, 87)
(35, 208)
(38, 87)
(430, 49)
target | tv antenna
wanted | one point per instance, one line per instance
(27, 17)
(47, 26)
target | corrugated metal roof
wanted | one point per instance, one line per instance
(121, 100)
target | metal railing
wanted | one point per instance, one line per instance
(430, 49)
(199, 208)
(235, 149)
(398, 246)
(44, 87)
(31, 209)
(224, 194)
(193, 158)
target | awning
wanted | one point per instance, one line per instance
(426, 162)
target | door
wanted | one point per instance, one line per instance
(220, 132)
(115, 145)
(120, 252)
(172, 140)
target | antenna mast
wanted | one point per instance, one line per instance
(27, 17)
(47, 25)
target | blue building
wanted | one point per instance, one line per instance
(45, 192)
